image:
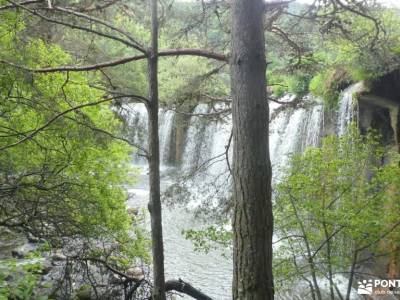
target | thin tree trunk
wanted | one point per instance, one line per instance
(309, 254)
(252, 220)
(351, 277)
(154, 163)
(294, 256)
(329, 260)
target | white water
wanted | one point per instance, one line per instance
(291, 131)
(136, 116)
(346, 107)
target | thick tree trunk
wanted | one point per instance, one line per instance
(252, 222)
(154, 163)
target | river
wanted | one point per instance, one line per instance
(211, 272)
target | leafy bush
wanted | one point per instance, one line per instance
(334, 203)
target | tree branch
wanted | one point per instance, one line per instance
(21, 3)
(73, 26)
(98, 6)
(121, 61)
(357, 12)
(184, 287)
(135, 44)
(52, 120)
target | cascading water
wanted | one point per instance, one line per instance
(197, 140)
(135, 115)
(165, 128)
(346, 108)
(291, 131)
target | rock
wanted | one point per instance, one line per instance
(17, 253)
(132, 211)
(22, 251)
(84, 292)
(33, 239)
(135, 272)
(6, 231)
(46, 268)
(9, 278)
(58, 256)
(115, 279)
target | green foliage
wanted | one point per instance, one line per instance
(299, 84)
(328, 85)
(353, 48)
(296, 84)
(334, 200)
(209, 238)
(92, 166)
(18, 281)
(62, 175)
(188, 79)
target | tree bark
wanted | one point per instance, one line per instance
(252, 221)
(154, 163)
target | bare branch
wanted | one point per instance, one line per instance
(184, 287)
(113, 136)
(74, 26)
(135, 44)
(21, 3)
(98, 6)
(124, 60)
(194, 52)
(362, 14)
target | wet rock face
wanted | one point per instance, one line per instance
(378, 118)
(387, 86)
(9, 242)
(177, 140)
(379, 108)
(23, 251)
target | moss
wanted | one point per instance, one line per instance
(329, 84)
(299, 84)
(84, 293)
(295, 83)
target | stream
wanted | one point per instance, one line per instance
(211, 273)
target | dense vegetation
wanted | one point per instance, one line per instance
(65, 150)
(62, 169)
(336, 204)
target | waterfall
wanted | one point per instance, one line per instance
(165, 129)
(346, 108)
(291, 131)
(135, 116)
(198, 139)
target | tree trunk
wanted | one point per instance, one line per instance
(154, 163)
(252, 221)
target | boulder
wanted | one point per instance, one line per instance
(135, 272)
(23, 250)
